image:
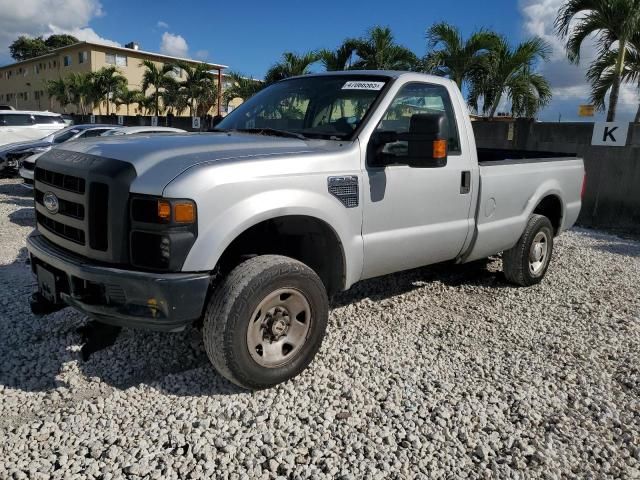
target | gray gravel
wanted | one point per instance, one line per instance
(433, 373)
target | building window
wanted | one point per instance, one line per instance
(116, 59)
(67, 60)
(83, 57)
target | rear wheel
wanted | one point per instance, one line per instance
(526, 263)
(266, 321)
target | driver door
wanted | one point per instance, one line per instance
(415, 216)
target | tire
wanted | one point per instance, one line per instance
(523, 264)
(269, 290)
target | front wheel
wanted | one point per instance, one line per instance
(266, 321)
(527, 262)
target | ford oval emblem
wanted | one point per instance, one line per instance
(51, 202)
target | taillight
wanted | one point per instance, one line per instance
(584, 186)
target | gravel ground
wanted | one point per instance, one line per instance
(433, 373)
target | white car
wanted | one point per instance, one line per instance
(135, 130)
(20, 125)
(28, 164)
(29, 152)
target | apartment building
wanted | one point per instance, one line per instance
(23, 84)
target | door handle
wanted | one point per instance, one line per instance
(465, 181)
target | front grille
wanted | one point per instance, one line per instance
(66, 208)
(98, 218)
(92, 219)
(60, 180)
(72, 234)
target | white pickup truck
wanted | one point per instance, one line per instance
(312, 185)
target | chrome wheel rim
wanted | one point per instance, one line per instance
(279, 327)
(539, 253)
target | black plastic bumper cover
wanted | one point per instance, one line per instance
(154, 301)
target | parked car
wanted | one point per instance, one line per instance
(19, 125)
(25, 154)
(136, 130)
(251, 229)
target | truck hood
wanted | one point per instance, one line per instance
(158, 159)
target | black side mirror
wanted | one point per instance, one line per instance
(424, 145)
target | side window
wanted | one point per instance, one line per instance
(47, 119)
(420, 98)
(16, 120)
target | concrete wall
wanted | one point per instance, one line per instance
(612, 197)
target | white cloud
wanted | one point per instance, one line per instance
(85, 34)
(45, 17)
(174, 45)
(162, 24)
(202, 54)
(568, 81)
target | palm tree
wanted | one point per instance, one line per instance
(200, 88)
(174, 96)
(528, 92)
(510, 71)
(107, 82)
(612, 21)
(127, 97)
(291, 65)
(80, 90)
(378, 51)
(339, 59)
(57, 90)
(155, 77)
(601, 73)
(457, 58)
(241, 86)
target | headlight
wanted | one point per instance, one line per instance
(163, 231)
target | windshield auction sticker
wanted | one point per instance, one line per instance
(363, 85)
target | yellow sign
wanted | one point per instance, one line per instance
(586, 110)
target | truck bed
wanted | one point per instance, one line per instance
(500, 156)
(512, 183)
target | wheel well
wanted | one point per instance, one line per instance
(307, 239)
(551, 207)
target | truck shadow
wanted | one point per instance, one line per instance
(481, 273)
(627, 248)
(41, 354)
(23, 217)
(14, 189)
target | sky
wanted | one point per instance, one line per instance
(250, 36)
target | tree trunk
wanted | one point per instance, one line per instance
(615, 88)
(157, 102)
(496, 102)
(127, 109)
(108, 104)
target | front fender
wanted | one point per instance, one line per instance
(218, 227)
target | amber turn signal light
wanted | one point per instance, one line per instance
(184, 213)
(164, 210)
(439, 149)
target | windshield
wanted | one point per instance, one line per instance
(330, 107)
(115, 131)
(65, 134)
